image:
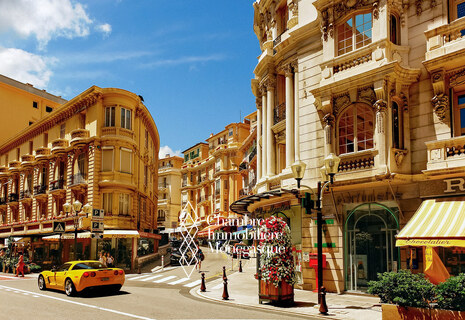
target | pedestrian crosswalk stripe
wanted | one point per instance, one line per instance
(179, 281)
(192, 284)
(165, 269)
(140, 277)
(151, 278)
(165, 279)
(137, 275)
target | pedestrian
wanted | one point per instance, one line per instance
(200, 257)
(20, 265)
(109, 260)
(103, 258)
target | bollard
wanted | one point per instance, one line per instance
(225, 289)
(202, 286)
(224, 272)
(240, 265)
(323, 307)
(162, 262)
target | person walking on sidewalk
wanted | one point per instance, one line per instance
(200, 257)
(20, 265)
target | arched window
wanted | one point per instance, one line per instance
(355, 129)
(394, 30)
(354, 33)
(397, 127)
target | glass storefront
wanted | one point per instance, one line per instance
(370, 244)
(145, 246)
(119, 248)
(453, 259)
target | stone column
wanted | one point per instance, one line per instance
(329, 135)
(381, 108)
(264, 130)
(295, 66)
(270, 149)
(259, 134)
(289, 116)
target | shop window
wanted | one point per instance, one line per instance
(107, 159)
(124, 204)
(108, 203)
(459, 114)
(125, 160)
(397, 127)
(126, 118)
(394, 30)
(355, 129)
(354, 33)
(110, 117)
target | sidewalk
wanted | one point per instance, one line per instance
(243, 290)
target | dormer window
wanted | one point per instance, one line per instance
(355, 32)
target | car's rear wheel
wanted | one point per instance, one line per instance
(41, 283)
(70, 290)
(116, 288)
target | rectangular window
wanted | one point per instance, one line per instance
(231, 132)
(62, 130)
(18, 154)
(126, 118)
(45, 140)
(146, 175)
(459, 114)
(82, 164)
(225, 185)
(108, 203)
(35, 104)
(48, 109)
(125, 160)
(31, 146)
(107, 159)
(110, 117)
(355, 32)
(124, 204)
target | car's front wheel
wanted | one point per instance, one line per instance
(41, 283)
(70, 290)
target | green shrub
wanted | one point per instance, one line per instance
(451, 293)
(403, 288)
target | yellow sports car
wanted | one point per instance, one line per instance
(75, 276)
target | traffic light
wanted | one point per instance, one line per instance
(308, 203)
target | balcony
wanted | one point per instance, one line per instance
(446, 155)
(59, 146)
(168, 166)
(56, 185)
(14, 166)
(13, 197)
(79, 137)
(40, 189)
(243, 193)
(161, 219)
(445, 40)
(359, 165)
(42, 153)
(2, 201)
(26, 194)
(112, 131)
(79, 178)
(279, 113)
(27, 160)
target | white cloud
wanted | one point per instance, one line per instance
(167, 150)
(44, 19)
(105, 29)
(25, 67)
(184, 60)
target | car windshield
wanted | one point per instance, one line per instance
(88, 265)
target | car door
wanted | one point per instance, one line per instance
(61, 274)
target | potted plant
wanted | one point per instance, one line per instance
(276, 274)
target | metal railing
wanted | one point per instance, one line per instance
(13, 197)
(57, 184)
(25, 194)
(2, 201)
(279, 113)
(79, 178)
(166, 166)
(40, 189)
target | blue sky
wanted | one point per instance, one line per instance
(192, 61)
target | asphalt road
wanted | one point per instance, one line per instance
(165, 295)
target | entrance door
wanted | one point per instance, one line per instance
(370, 245)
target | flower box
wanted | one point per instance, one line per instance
(284, 293)
(395, 312)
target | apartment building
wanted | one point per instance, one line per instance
(99, 149)
(381, 85)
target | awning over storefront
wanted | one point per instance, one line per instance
(437, 223)
(106, 234)
(240, 206)
(208, 229)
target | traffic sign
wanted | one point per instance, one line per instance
(96, 235)
(58, 226)
(98, 214)
(97, 226)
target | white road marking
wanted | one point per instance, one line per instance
(152, 277)
(217, 286)
(165, 269)
(193, 284)
(179, 281)
(139, 277)
(165, 279)
(82, 304)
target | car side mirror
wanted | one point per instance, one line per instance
(54, 269)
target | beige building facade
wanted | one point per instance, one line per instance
(101, 149)
(380, 84)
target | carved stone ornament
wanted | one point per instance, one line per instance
(328, 119)
(380, 106)
(418, 4)
(331, 14)
(270, 82)
(405, 101)
(294, 8)
(340, 102)
(457, 79)
(399, 155)
(441, 106)
(367, 95)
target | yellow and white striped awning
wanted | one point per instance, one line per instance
(437, 223)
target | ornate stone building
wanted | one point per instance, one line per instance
(381, 84)
(101, 149)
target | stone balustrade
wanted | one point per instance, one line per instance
(446, 154)
(59, 146)
(450, 35)
(357, 161)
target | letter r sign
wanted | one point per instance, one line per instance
(454, 185)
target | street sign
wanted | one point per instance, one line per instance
(97, 227)
(98, 214)
(96, 235)
(58, 226)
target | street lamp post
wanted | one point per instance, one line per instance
(331, 164)
(76, 208)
